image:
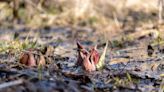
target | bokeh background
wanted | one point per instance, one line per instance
(109, 18)
(106, 14)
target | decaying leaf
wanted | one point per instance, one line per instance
(28, 59)
(101, 62)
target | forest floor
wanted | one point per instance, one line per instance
(128, 68)
(46, 33)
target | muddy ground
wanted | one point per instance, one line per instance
(128, 68)
(46, 31)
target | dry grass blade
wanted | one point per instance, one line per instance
(161, 89)
(101, 61)
(40, 66)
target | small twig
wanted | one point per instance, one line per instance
(11, 83)
(125, 66)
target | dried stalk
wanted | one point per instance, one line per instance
(11, 83)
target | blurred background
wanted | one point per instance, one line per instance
(106, 14)
(109, 18)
